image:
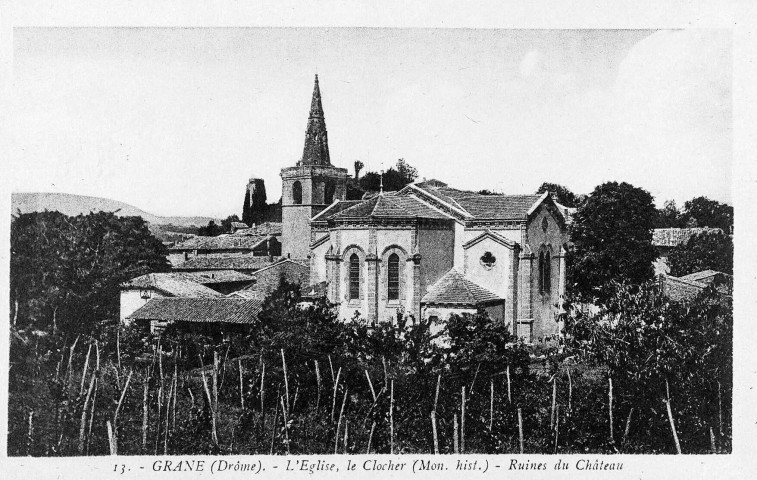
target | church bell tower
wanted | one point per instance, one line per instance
(311, 185)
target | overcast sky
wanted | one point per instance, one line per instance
(175, 121)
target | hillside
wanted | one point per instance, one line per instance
(70, 204)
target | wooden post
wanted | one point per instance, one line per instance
(391, 418)
(118, 409)
(262, 389)
(554, 404)
(84, 370)
(111, 439)
(339, 423)
(370, 437)
(462, 421)
(284, 412)
(213, 434)
(370, 384)
(30, 431)
(318, 383)
(509, 395)
(83, 423)
(92, 411)
(557, 426)
(520, 430)
(333, 396)
(118, 346)
(720, 410)
(286, 379)
(145, 394)
(712, 441)
(570, 393)
(433, 429)
(455, 437)
(491, 404)
(609, 394)
(628, 426)
(346, 433)
(436, 396)
(273, 427)
(241, 383)
(670, 419)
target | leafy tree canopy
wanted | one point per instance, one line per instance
(711, 250)
(395, 178)
(708, 213)
(66, 271)
(611, 240)
(562, 194)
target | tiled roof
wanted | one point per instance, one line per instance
(453, 288)
(678, 289)
(239, 225)
(672, 237)
(484, 206)
(391, 206)
(204, 310)
(219, 276)
(230, 262)
(265, 228)
(698, 276)
(302, 264)
(221, 242)
(335, 208)
(173, 283)
(247, 294)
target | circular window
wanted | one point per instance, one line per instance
(488, 260)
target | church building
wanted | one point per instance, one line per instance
(426, 251)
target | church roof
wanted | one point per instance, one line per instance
(200, 310)
(454, 289)
(335, 208)
(172, 283)
(481, 206)
(390, 206)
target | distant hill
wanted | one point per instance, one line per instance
(70, 204)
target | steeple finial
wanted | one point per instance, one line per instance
(316, 151)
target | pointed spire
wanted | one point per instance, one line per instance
(316, 151)
(316, 108)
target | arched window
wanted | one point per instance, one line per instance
(393, 280)
(297, 193)
(354, 293)
(328, 193)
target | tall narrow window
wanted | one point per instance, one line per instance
(547, 272)
(354, 277)
(541, 271)
(393, 273)
(297, 193)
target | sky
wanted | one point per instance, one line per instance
(176, 120)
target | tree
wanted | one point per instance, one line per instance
(708, 213)
(708, 250)
(655, 350)
(226, 223)
(246, 208)
(66, 271)
(210, 230)
(358, 166)
(392, 180)
(562, 194)
(611, 240)
(669, 216)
